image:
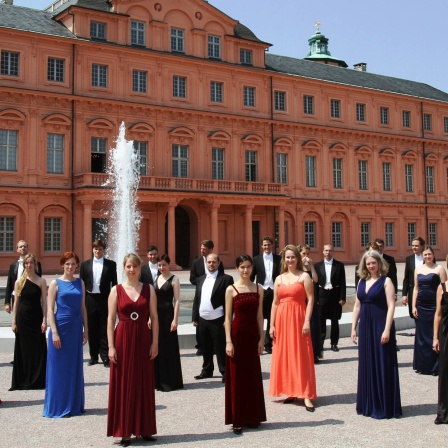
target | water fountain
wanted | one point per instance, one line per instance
(124, 217)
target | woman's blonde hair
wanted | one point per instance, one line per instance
(134, 258)
(383, 266)
(296, 252)
(22, 279)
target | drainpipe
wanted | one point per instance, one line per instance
(271, 110)
(424, 174)
(72, 174)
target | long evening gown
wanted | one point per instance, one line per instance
(132, 407)
(30, 349)
(244, 397)
(378, 382)
(442, 406)
(167, 366)
(426, 360)
(292, 366)
(64, 394)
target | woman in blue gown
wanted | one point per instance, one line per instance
(64, 394)
(378, 382)
(427, 279)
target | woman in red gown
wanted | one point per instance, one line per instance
(292, 367)
(133, 345)
(244, 345)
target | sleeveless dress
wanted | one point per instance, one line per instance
(442, 406)
(132, 407)
(378, 382)
(426, 360)
(244, 397)
(292, 366)
(167, 366)
(64, 394)
(30, 349)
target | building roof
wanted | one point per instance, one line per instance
(61, 5)
(339, 75)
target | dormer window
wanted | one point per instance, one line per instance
(214, 47)
(246, 56)
(177, 40)
(137, 33)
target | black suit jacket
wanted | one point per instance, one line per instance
(408, 279)
(392, 274)
(337, 282)
(259, 272)
(12, 277)
(198, 269)
(108, 275)
(218, 294)
(146, 275)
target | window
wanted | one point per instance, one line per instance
(282, 169)
(362, 173)
(139, 81)
(214, 47)
(218, 163)
(137, 33)
(406, 119)
(97, 30)
(249, 96)
(335, 109)
(389, 234)
(337, 173)
(433, 234)
(365, 234)
(387, 184)
(310, 234)
(180, 161)
(55, 70)
(360, 112)
(55, 154)
(427, 122)
(216, 89)
(409, 178)
(445, 125)
(177, 40)
(430, 179)
(141, 148)
(308, 104)
(9, 63)
(336, 234)
(279, 100)
(8, 150)
(52, 234)
(310, 167)
(99, 229)
(412, 232)
(7, 226)
(384, 115)
(179, 87)
(98, 147)
(99, 75)
(251, 166)
(246, 56)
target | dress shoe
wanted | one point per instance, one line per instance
(268, 350)
(310, 408)
(149, 438)
(316, 360)
(199, 352)
(223, 379)
(124, 442)
(439, 421)
(289, 400)
(106, 364)
(92, 362)
(334, 348)
(237, 431)
(202, 376)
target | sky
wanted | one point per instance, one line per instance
(399, 38)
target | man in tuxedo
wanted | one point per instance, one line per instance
(412, 262)
(392, 273)
(208, 315)
(99, 275)
(266, 268)
(15, 272)
(150, 270)
(331, 294)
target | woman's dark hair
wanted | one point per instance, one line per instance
(242, 258)
(164, 257)
(425, 248)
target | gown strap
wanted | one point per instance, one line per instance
(233, 286)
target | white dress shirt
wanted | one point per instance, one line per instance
(206, 310)
(328, 266)
(418, 261)
(20, 270)
(154, 271)
(268, 261)
(98, 264)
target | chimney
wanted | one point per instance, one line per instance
(361, 67)
(7, 2)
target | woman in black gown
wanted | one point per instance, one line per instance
(440, 346)
(168, 370)
(29, 323)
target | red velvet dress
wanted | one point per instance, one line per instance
(244, 386)
(132, 409)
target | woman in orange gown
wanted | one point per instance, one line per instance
(292, 367)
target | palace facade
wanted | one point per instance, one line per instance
(234, 142)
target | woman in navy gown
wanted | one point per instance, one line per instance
(427, 279)
(244, 398)
(440, 346)
(29, 323)
(64, 394)
(167, 366)
(378, 393)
